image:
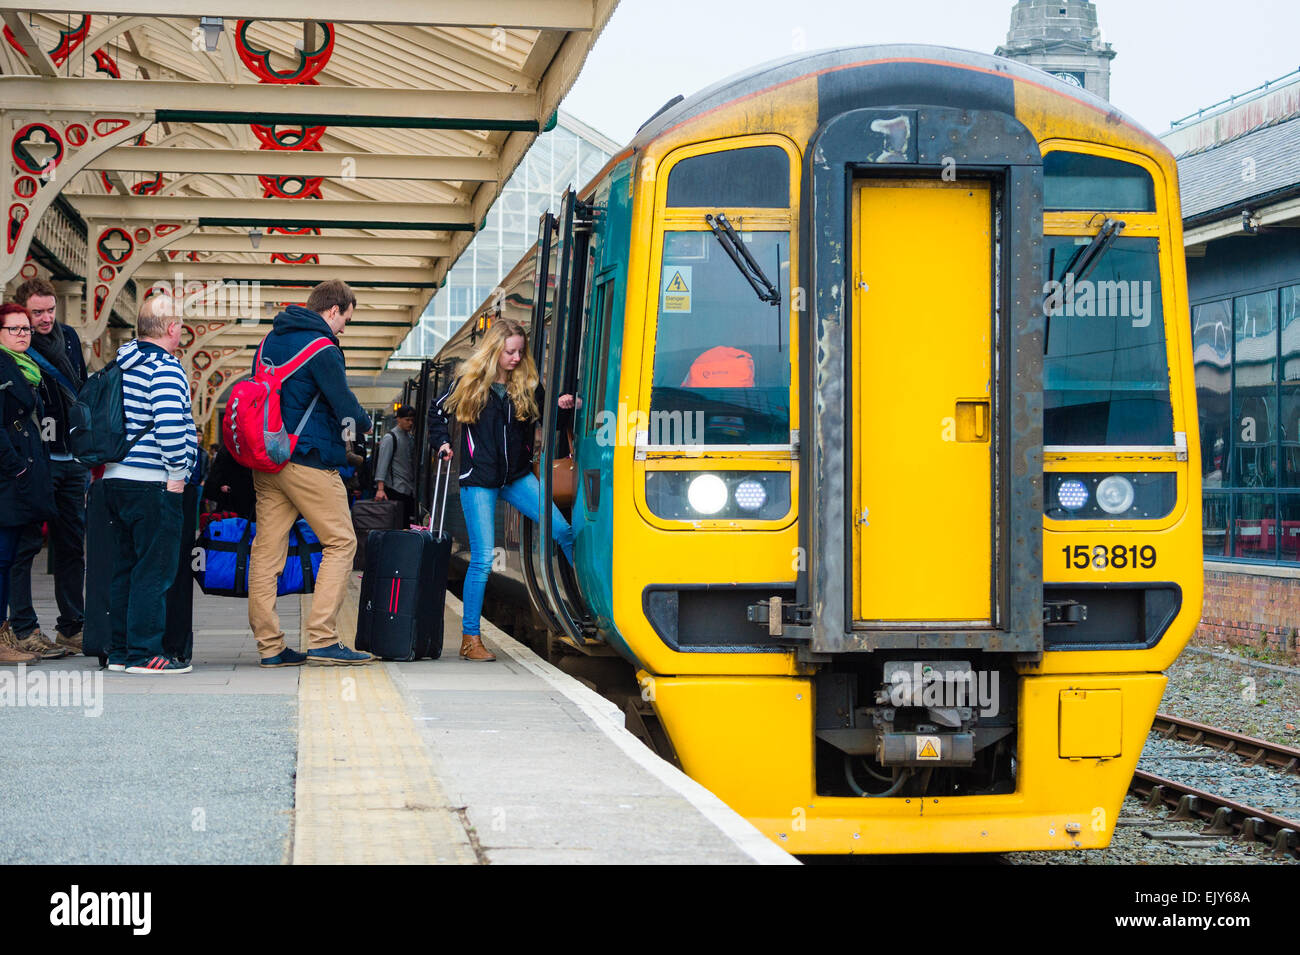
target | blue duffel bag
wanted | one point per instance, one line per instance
(226, 545)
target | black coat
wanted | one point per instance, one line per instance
(494, 450)
(227, 472)
(26, 494)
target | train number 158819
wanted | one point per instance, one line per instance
(1101, 557)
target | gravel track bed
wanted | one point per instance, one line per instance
(1236, 696)
(1130, 847)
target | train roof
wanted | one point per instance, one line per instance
(925, 68)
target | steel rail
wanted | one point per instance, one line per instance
(1256, 752)
(1226, 817)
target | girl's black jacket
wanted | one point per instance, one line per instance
(494, 450)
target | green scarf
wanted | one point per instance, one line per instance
(31, 371)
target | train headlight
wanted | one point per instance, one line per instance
(750, 495)
(721, 495)
(1115, 494)
(707, 494)
(1072, 495)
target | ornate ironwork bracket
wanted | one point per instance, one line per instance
(47, 148)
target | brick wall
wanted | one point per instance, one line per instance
(1251, 609)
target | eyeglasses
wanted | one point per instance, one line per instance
(19, 330)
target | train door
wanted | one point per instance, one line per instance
(922, 397)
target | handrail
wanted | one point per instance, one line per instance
(550, 379)
(545, 231)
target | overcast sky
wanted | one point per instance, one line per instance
(1174, 56)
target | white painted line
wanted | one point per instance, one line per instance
(608, 718)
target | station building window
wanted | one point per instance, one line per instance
(1247, 358)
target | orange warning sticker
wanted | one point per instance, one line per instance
(927, 747)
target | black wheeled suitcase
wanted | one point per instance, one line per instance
(404, 588)
(370, 516)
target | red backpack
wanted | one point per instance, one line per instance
(252, 428)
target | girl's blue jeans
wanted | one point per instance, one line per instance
(479, 506)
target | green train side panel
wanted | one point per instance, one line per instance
(594, 548)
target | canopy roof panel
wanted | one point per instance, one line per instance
(385, 131)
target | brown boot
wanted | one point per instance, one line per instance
(471, 648)
(69, 641)
(9, 652)
(36, 642)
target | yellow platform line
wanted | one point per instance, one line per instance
(366, 791)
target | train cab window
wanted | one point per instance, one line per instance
(722, 355)
(1079, 182)
(1106, 372)
(757, 177)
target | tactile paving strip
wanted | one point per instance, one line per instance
(366, 792)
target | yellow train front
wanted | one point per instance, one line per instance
(887, 487)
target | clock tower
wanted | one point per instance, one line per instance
(1063, 38)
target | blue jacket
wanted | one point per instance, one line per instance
(320, 445)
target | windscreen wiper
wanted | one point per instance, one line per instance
(1081, 264)
(1086, 258)
(753, 273)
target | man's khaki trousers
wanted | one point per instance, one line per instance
(318, 495)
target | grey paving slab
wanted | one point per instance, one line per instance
(192, 768)
(540, 779)
(154, 779)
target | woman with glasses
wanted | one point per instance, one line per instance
(25, 495)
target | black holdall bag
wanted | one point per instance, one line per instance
(404, 587)
(370, 516)
(97, 420)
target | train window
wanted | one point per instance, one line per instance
(754, 177)
(1106, 374)
(1075, 181)
(722, 356)
(600, 358)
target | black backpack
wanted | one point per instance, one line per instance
(97, 420)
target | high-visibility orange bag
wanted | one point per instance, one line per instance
(721, 367)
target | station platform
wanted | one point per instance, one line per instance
(432, 762)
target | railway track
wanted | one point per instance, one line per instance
(1225, 817)
(1256, 752)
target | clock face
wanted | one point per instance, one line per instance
(1071, 78)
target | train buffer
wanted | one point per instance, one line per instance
(443, 761)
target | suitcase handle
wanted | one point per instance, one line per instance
(445, 482)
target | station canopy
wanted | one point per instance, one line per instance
(278, 145)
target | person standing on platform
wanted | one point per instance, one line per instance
(395, 471)
(309, 484)
(143, 493)
(497, 401)
(229, 485)
(24, 471)
(56, 349)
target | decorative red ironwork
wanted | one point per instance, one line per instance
(258, 60)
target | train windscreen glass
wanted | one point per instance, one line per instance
(1106, 371)
(722, 356)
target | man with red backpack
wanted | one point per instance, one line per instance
(316, 405)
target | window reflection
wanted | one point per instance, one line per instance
(1289, 416)
(1214, 524)
(1254, 396)
(1212, 354)
(722, 356)
(1106, 373)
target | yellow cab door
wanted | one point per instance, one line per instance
(922, 378)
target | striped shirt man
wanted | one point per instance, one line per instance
(155, 392)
